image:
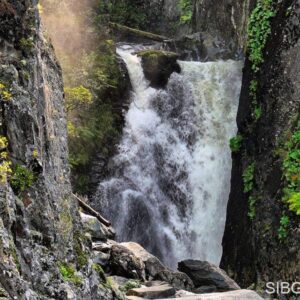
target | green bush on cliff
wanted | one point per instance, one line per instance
(252, 207)
(236, 143)
(77, 97)
(5, 94)
(91, 96)
(130, 13)
(259, 29)
(248, 178)
(291, 171)
(22, 178)
(294, 202)
(283, 228)
(186, 10)
(68, 273)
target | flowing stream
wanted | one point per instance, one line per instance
(171, 176)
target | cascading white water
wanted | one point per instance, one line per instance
(172, 172)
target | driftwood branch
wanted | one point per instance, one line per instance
(91, 211)
(138, 33)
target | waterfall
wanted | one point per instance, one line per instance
(171, 175)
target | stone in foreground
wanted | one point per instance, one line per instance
(204, 273)
(153, 292)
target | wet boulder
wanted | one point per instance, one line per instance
(204, 274)
(158, 66)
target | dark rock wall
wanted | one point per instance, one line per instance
(225, 20)
(38, 226)
(253, 252)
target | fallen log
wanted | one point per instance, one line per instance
(91, 211)
(137, 32)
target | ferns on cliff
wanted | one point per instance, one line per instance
(259, 29)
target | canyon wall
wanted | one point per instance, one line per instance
(42, 245)
(261, 241)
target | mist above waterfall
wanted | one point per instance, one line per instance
(171, 175)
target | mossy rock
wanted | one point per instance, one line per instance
(158, 66)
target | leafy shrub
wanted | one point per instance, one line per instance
(294, 202)
(252, 207)
(257, 113)
(5, 95)
(132, 13)
(253, 87)
(259, 29)
(67, 271)
(186, 9)
(5, 164)
(236, 143)
(291, 171)
(248, 178)
(77, 97)
(21, 179)
(283, 229)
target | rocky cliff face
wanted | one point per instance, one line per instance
(226, 21)
(42, 247)
(262, 235)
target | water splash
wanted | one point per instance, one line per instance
(171, 176)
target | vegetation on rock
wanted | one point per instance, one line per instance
(5, 94)
(283, 229)
(186, 10)
(22, 178)
(5, 164)
(259, 29)
(236, 143)
(291, 170)
(248, 178)
(68, 273)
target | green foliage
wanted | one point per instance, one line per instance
(283, 229)
(248, 178)
(294, 202)
(259, 29)
(68, 273)
(291, 171)
(77, 97)
(5, 164)
(130, 284)
(21, 179)
(92, 118)
(26, 44)
(236, 143)
(132, 13)
(90, 135)
(253, 87)
(5, 95)
(257, 113)
(186, 10)
(252, 207)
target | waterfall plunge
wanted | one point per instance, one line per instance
(172, 172)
